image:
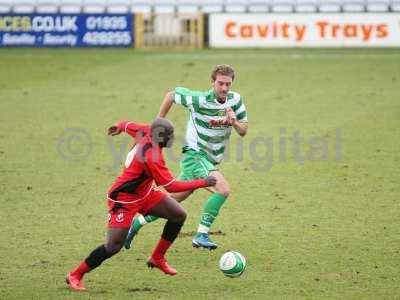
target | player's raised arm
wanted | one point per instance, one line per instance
(166, 104)
(135, 130)
(240, 126)
(237, 118)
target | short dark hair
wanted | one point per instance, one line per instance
(225, 70)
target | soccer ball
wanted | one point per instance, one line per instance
(232, 264)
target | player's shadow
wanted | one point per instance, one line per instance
(141, 290)
(193, 233)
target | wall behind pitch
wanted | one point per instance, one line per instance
(304, 30)
(64, 30)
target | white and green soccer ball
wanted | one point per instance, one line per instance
(232, 264)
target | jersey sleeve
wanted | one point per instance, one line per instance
(135, 130)
(240, 111)
(186, 97)
(182, 186)
(156, 166)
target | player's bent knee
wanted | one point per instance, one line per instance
(224, 191)
(223, 188)
(180, 216)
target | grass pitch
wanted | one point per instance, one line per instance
(315, 183)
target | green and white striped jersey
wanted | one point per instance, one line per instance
(204, 108)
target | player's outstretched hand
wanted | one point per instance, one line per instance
(114, 130)
(211, 180)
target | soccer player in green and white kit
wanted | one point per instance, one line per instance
(212, 114)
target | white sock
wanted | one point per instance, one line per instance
(203, 229)
(142, 220)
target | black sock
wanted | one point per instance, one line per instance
(97, 256)
(171, 230)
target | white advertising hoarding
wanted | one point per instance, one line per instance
(304, 30)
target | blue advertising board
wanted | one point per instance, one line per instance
(66, 30)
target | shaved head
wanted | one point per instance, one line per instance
(162, 132)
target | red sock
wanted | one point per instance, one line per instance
(161, 248)
(81, 270)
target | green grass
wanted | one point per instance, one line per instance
(310, 229)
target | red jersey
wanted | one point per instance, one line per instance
(147, 166)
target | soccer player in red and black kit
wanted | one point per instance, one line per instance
(133, 192)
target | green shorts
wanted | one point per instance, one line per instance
(195, 165)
